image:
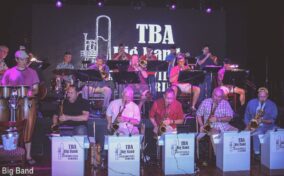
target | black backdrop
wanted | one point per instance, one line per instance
(55, 31)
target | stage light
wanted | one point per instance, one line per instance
(172, 5)
(58, 4)
(208, 10)
(100, 3)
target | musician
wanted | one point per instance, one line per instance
(206, 59)
(3, 54)
(74, 112)
(166, 110)
(66, 64)
(230, 88)
(99, 86)
(171, 58)
(23, 75)
(130, 113)
(267, 121)
(150, 56)
(184, 87)
(216, 112)
(121, 55)
(142, 87)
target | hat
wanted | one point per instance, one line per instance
(20, 54)
(263, 89)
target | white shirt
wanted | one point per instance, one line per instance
(131, 111)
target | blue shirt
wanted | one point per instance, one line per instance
(270, 111)
(171, 59)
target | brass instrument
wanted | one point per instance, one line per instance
(162, 127)
(207, 126)
(254, 123)
(103, 72)
(143, 63)
(115, 124)
(55, 128)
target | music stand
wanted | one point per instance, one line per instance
(125, 77)
(121, 65)
(211, 69)
(194, 77)
(87, 76)
(156, 65)
(235, 77)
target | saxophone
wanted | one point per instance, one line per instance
(254, 123)
(55, 128)
(207, 125)
(162, 127)
(115, 124)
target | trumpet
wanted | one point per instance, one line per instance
(143, 63)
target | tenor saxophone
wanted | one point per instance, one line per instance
(254, 123)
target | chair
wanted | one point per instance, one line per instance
(13, 157)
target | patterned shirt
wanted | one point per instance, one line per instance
(223, 110)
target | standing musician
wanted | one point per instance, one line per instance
(23, 75)
(216, 113)
(3, 54)
(74, 112)
(206, 59)
(141, 87)
(229, 88)
(184, 87)
(265, 121)
(99, 86)
(121, 55)
(150, 56)
(124, 113)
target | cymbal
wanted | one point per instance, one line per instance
(63, 71)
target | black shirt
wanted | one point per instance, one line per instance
(75, 109)
(207, 62)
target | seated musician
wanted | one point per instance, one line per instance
(142, 87)
(3, 54)
(171, 59)
(66, 64)
(121, 54)
(74, 112)
(124, 114)
(150, 56)
(166, 111)
(266, 121)
(99, 86)
(229, 88)
(23, 75)
(184, 87)
(213, 116)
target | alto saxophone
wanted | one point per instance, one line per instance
(207, 125)
(163, 127)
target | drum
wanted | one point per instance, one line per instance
(4, 110)
(5, 91)
(27, 110)
(22, 91)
